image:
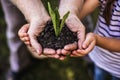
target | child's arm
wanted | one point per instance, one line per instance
(88, 7)
(111, 44)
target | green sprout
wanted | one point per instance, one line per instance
(55, 16)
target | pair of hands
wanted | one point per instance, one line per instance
(80, 48)
(29, 32)
(29, 38)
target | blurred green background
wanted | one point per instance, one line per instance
(44, 69)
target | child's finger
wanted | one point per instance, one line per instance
(76, 54)
(22, 35)
(24, 39)
(24, 29)
(52, 56)
(88, 49)
(62, 57)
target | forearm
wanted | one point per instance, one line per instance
(32, 9)
(88, 7)
(110, 44)
(74, 6)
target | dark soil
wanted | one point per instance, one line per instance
(48, 39)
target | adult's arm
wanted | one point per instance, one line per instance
(32, 9)
(37, 16)
(74, 6)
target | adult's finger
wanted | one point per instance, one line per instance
(71, 47)
(75, 25)
(48, 51)
(65, 52)
(34, 30)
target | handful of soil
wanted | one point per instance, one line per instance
(48, 39)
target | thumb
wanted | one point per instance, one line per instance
(34, 30)
(89, 39)
(36, 45)
(81, 37)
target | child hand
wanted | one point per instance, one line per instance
(22, 33)
(87, 46)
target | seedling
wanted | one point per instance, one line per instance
(55, 16)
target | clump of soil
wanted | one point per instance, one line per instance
(48, 39)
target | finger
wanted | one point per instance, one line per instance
(36, 45)
(52, 56)
(62, 57)
(58, 51)
(81, 37)
(23, 29)
(87, 42)
(65, 52)
(24, 39)
(48, 51)
(88, 49)
(22, 35)
(71, 47)
(56, 56)
(32, 50)
(76, 54)
(34, 30)
(27, 43)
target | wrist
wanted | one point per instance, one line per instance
(39, 16)
(97, 38)
(39, 21)
(73, 6)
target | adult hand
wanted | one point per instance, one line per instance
(36, 27)
(37, 17)
(73, 22)
(76, 26)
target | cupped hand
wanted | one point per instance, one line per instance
(76, 26)
(87, 46)
(22, 33)
(36, 27)
(46, 52)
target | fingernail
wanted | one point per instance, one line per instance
(38, 51)
(84, 46)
